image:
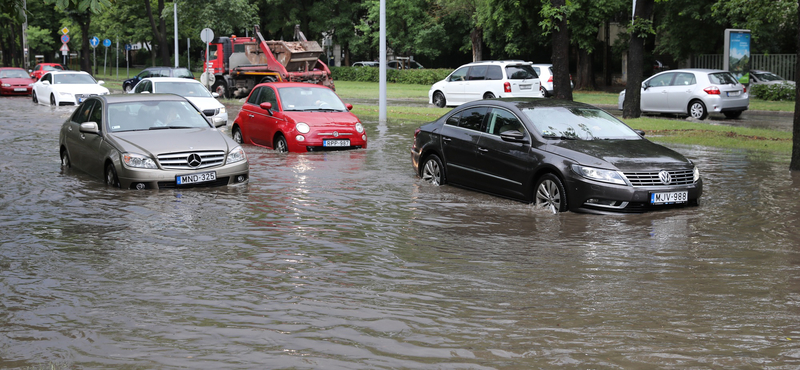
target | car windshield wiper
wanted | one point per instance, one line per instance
(168, 127)
(322, 110)
(562, 137)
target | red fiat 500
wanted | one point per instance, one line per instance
(42, 68)
(297, 117)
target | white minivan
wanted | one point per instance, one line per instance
(486, 80)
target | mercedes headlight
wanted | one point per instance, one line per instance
(696, 174)
(597, 174)
(359, 127)
(302, 128)
(236, 155)
(138, 161)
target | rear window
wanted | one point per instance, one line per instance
(722, 78)
(182, 72)
(520, 72)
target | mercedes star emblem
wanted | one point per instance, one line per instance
(194, 160)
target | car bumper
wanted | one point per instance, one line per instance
(220, 120)
(595, 197)
(15, 90)
(232, 174)
(316, 142)
(719, 104)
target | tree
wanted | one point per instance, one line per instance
(584, 21)
(81, 12)
(468, 9)
(640, 29)
(555, 22)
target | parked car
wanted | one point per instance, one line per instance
(149, 141)
(560, 155)
(693, 92)
(758, 77)
(545, 72)
(66, 88)
(129, 84)
(40, 69)
(400, 64)
(297, 117)
(486, 80)
(192, 90)
(366, 64)
(15, 81)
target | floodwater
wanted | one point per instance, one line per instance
(346, 260)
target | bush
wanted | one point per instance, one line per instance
(405, 76)
(776, 92)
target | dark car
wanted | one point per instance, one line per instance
(128, 84)
(557, 154)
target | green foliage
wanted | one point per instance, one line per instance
(774, 92)
(405, 76)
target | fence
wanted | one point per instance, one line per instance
(781, 64)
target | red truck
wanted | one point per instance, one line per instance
(240, 63)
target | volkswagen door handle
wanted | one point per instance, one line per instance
(483, 150)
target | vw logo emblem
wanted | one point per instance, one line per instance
(194, 160)
(665, 177)
(336, 134)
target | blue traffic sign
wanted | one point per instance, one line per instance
(65, 38)
(106, 42)
(127, 46)
(94, 41)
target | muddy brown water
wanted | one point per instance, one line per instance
(346, 260)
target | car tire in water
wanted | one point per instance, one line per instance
(550, 194)
(33, 97)
(488, 95)
(237, 135)
(697, 110)
(65, 162)
(280, 144)
(735, 114)
(53, 100)
(543, 91)
(432, 170)
(439, 99)
(111, 176)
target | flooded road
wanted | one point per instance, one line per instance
(346, 260)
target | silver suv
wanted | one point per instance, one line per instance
(694, 92)
(486, 80)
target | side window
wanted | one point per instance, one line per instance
(139, 87)
(48, 77)
(143, 74)
(460, 74)
(684, 79)
(453, 120)
(253, 99)
(477, 73)
(494, 73)
(472, 118)
(97, 114)
(662, 80)
(268, 96)
(148, 86)
(501, 120)
(81, 114)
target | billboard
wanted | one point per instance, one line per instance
(737, 54)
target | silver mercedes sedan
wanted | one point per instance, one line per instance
(150, 141)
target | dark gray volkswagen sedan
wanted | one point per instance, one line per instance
(150, 141)
(557, 154)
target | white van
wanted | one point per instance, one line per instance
(486, 80)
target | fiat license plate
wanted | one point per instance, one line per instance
(196, 178)
(336, 143)
(669, 198)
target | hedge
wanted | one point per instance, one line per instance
(775, 92)
(404, 76)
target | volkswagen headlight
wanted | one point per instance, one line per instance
(359, 127)
(597, 174)
(236, 155)
(138, 161)
(302, 128)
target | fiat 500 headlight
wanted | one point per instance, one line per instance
(597, 174)
(359, 127)
(236, 155)
(138, 161)
(302, 128)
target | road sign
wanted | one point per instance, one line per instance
(94, 41)
(64, 47)
(65, 39)
(206, 35)
(65, 30)
(106, 42)
(127, 46)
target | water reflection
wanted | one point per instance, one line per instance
(347, 260)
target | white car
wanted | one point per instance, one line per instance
(66, 88)
(192, 90)
(545, 72)
(486, 80)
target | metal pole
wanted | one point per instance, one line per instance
(26, 61)
(382, 73)
(175, 15)
(188, 54)
(105, 59)
(116, 52)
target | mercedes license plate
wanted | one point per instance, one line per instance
(669, 198)
(524, 87)
(332, 143)
(196, 178)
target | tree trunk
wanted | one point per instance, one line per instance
(159, 42)
(162, 45)
(795, 162)
(476, 36)
(631, 107)
(84, 20)
(561, 83)
(584, 79)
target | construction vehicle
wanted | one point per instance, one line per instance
(234, 65)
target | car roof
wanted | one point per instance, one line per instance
(701, 70)
(528, 103)
(172, 79)
(291, 84)
(68, 72)
(128, 98)
(510, 61)
(17, 68)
